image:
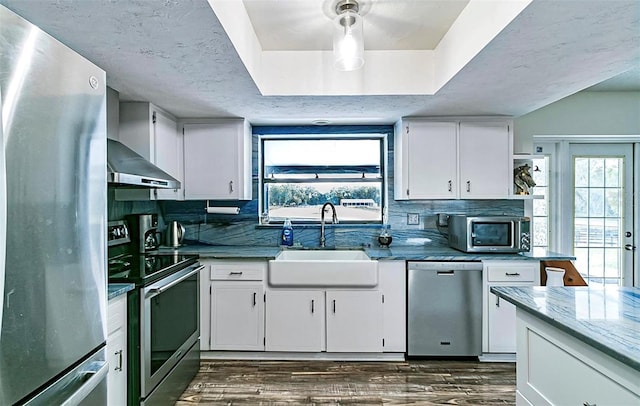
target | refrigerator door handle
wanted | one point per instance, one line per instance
(3, 215)
(98, 373)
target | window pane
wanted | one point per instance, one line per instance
(303, 201)
(596, 172)
(582, 172)
(581, 232)
(581, 203)
(596, 232)
(612, 233)
(582, 261)
(347, 152)
(612, 262)
(596, 202)
(613, 202)
(612, 172)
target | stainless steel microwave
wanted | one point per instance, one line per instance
(506, 234)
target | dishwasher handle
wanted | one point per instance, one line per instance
(450, 272)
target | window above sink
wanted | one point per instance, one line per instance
(301, 168)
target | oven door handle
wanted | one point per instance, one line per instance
(156, 290)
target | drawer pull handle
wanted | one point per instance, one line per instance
(235, 273)
(512, 273)
(589, 404)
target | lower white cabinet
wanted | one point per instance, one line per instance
(232, 309)
(499, 318)
(555, 368)
(295, 320)
(354, 321)
(237, 316)
(117, 351)
(299, 320)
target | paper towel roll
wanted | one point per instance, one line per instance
(223, 210)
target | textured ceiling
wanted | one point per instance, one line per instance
(175, 54)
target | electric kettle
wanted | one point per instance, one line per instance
(175, 234)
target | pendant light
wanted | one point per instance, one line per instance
(348, 40)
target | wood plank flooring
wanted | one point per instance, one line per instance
(420, 382)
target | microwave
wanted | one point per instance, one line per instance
(504, 234)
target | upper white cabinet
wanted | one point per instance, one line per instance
(457, 159)
(152, 133)
(217, 160)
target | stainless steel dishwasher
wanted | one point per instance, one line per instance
(444, 316)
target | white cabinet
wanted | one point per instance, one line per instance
(117, 351)
(295, 320)
(499, 316)
(442, 159)
(484, 158)
(232, 313)
(237, 316)
(393, 284)
(299, 320)
(152, 133)
(217, 160)
(354, 321)
(556, 368)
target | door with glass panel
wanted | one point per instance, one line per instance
(602, 218)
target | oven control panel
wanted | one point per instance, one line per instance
(117, 233)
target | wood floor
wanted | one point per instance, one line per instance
(339, 383)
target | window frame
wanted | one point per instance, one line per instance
(379, 133)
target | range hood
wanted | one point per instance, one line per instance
(127, 168)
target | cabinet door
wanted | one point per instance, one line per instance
(502, 324)
(117, 376)
(431, 160)
(484, 157)
(168, 153)
(216, 165)
(354, 321)
(393, 284)
(117, 351)
(295, 320)
(237, 316)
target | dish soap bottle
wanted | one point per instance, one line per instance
(287, 233)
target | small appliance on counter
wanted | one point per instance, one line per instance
(143, 229)
(175, 234)
(503, 234)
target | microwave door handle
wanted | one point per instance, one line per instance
(157, 290)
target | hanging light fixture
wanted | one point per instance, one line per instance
(348, 40)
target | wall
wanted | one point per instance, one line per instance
(584, 113)
(243, 229)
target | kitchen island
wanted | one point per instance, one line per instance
(576, 345)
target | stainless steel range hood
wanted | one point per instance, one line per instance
(127, 168)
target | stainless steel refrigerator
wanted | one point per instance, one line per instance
(52, 220)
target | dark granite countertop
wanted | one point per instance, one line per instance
(608, 318)
(399, 252)
(116, 289)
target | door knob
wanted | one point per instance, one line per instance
(630, 247)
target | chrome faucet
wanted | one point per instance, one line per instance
(334, 220)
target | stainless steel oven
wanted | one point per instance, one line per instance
(169, 325)
(164, 313)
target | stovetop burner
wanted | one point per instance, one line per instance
(146, 268)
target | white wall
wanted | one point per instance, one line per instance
(584, 113)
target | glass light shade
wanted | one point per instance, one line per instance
(348, 41)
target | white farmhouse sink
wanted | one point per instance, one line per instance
(323, 268)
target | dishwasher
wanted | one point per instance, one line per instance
(444, 315)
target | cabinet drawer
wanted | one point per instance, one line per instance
(238, 271)
(116, 313)
(511, 274)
